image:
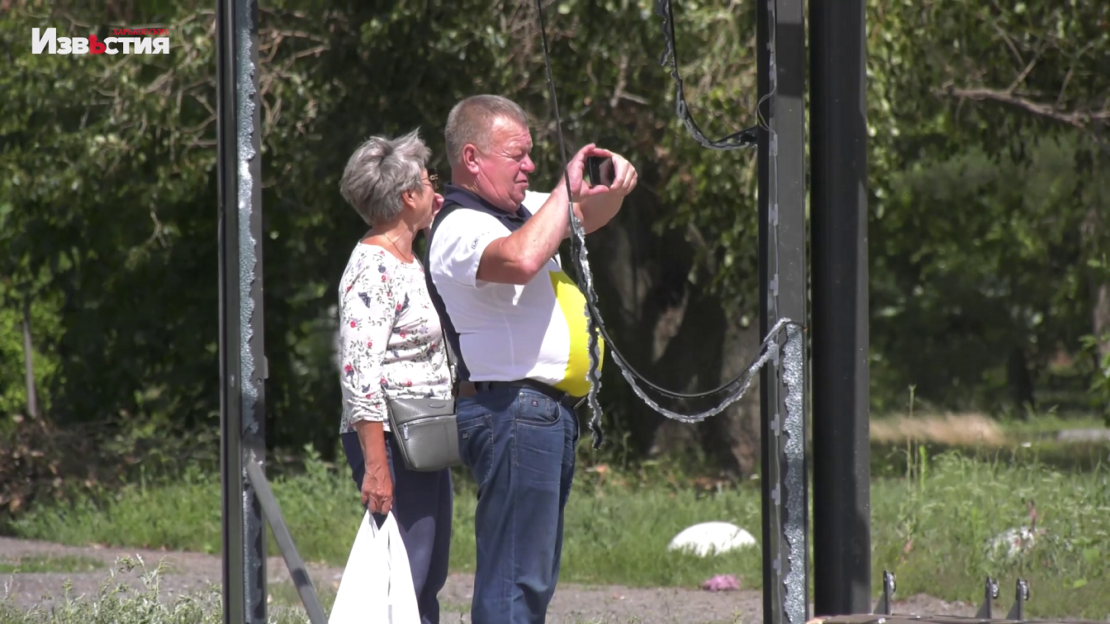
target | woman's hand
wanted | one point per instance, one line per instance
(377, 482)
(377, 485)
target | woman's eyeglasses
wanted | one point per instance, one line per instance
(433, 178)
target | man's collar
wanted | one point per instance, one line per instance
(458, 195)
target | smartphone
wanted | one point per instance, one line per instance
(600, 170)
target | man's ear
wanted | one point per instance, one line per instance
(470, 158)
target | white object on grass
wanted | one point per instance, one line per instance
(709, 538)
(1014, 542)
(377, 582)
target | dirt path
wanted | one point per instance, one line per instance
(573, 604)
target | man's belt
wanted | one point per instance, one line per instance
(471, 388)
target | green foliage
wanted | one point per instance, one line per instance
(947, 74)
(988, 188)
(43, 312)
(117, 249)
(981, 258)
(988, 182)
(104, 165)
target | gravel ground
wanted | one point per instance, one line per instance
(573, 604)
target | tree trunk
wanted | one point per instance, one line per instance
(1020, 382)
(1101, 318)
(676, 334)
(733, 436)
(707, 351)
(28, 360)
(641, 285)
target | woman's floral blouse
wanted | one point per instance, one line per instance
(390, 341)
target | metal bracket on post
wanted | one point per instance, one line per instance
(990, 594)
(298, 572)
(1021, 595)
(890, 585)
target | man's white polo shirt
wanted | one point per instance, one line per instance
(507, 332)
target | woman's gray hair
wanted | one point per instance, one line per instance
(379, 171)
(471, 119)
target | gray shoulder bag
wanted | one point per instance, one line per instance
(425, 429)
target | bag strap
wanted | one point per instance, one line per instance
(446, 342)
(452, 358)
(450, 206)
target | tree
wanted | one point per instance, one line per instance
(1017, 84)
(108, 194)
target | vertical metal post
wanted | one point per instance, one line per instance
(782, 242)
(841, 455)
(242, 359)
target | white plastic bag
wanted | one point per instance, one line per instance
(377, 582)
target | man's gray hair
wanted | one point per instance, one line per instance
(379, 171)
(470, 121)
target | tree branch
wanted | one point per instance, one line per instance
(1078, 119)
(1024, 74)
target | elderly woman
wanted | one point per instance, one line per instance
(391, 346)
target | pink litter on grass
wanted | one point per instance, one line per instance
(721, 582)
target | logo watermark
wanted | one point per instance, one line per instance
(122, 41)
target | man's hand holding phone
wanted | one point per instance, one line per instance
(611, 178)
(601, 171)
(613, 172)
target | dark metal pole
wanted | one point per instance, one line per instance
(782, 242)
(841, 455)
(242, 359)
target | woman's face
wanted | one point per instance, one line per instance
(427, 202)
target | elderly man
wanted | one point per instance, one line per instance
(518, 325)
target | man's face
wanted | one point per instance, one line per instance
(504, 166)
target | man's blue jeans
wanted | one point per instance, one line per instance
(519, 445)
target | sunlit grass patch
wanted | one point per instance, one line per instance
(32, 564)
(967, 429)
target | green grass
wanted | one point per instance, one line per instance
(616, 535)
(934, 529)
(33, 564)
(931, 524)
(1051, 423)
(284, 594)
(891, 460)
